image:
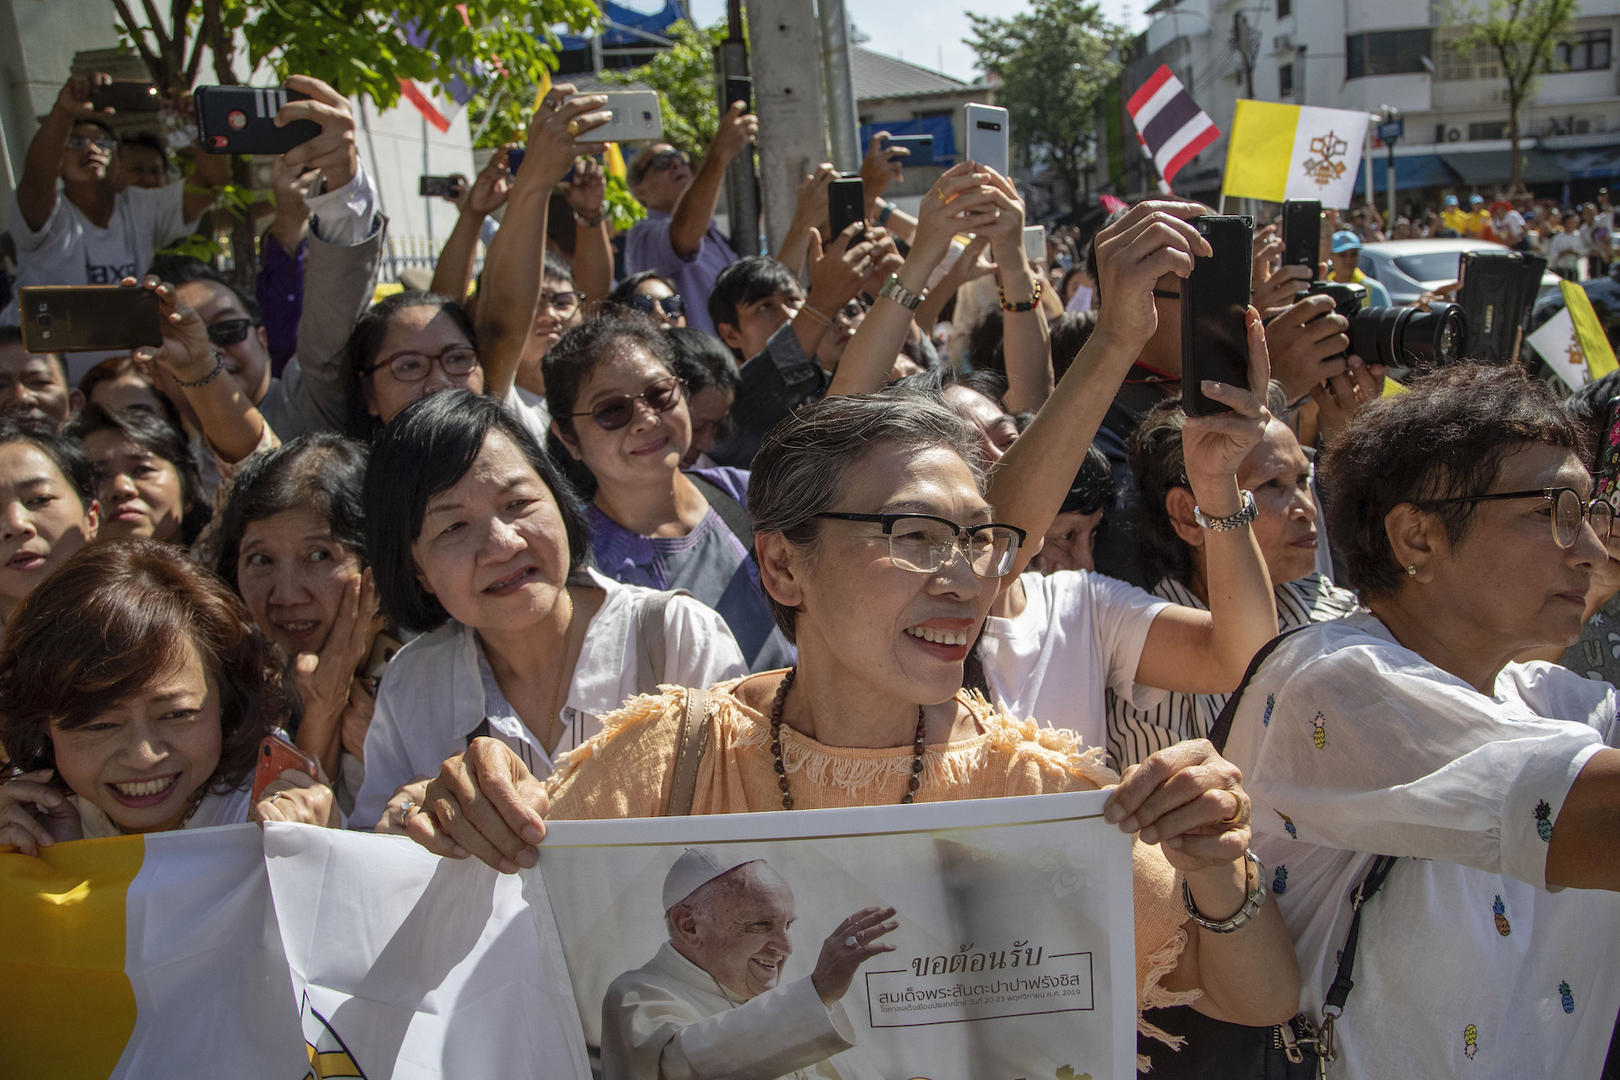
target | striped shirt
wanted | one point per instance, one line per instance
(1133, 733)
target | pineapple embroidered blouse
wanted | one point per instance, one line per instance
(627, 770)
(1352, 745)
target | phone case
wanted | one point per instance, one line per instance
(444, 186)
(738, 88)
(1302, 234)
(242, 120)
(88, 318)
(846, 204)
(126, 96)
(988, 137)
(635, 118)
(276, 756)
(921, 149)
(1034, 242)
(1214, 300)
(1489, 296)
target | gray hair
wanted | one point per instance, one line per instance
(799, 470)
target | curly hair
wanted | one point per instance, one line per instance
(111, 621)
(1446, 438)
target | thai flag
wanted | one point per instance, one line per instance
(1169, 123)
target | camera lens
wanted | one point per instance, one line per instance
(1401, 337)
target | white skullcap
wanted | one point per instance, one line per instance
(694, 869)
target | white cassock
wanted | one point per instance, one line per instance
(670, 1020)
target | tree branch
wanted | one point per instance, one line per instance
(136, 32)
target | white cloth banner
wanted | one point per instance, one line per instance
(1555, 342)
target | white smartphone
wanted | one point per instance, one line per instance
(1035, 243)
(635, 118)
(987, 137)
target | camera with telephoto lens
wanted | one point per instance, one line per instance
(1401, 338)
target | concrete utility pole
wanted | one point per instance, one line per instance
(843, 118)
(787, 98)
(742, 188)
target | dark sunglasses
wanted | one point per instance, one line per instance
(672, 306)
(662, 161)
(229, 331)
(616, 412)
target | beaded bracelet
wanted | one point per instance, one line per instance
(219, 366)
(1022, 305)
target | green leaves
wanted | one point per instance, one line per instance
(683, 75)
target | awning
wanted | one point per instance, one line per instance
(1496, 166)
(1598, 164)
(1411, 171)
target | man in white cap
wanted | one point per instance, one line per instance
(711, 1001)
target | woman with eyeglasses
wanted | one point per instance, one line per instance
(1463, 511)
(618, 407)
(479, 548)
(652, 295)
(881, 556)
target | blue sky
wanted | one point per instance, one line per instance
(926, 32)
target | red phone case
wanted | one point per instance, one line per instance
(276, 756)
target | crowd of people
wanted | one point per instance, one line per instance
(486, 552)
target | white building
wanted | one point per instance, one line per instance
(1373, 54)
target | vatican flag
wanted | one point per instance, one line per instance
(1279, 152)
(288, 952)
(1572, 342)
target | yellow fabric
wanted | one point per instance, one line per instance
(1588, 330)
(542, 88)
(1260, 150)
(63, 959)
(1455, 219)
(627, 771)
(614, 161)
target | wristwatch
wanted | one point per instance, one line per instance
(1251, 903)
(1246, 513)
(893, 290)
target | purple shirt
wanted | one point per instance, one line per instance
(647, 247)
(280, 292)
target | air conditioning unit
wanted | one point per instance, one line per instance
(1455, 133)
(1282, 43)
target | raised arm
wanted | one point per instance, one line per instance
(453, 274)
(36, 191)
(512, 266)
(959, 201)
(1030, 482)
(880, 168)
(694, 210)
(1025, 335)
(809, 211)
(593, 248)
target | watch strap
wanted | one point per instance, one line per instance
(1245, 514)
(893, 290)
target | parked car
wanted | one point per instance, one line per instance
(1410, 268)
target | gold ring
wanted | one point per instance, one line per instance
(573, 127)
(1237, 815)
(941, 196)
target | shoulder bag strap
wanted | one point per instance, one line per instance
(730, 510)
(650, 651)
(1222, 728)
(690, 742)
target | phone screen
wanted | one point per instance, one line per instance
(1214, 301)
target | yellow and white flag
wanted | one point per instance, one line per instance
(291, 952)
(1572, 342)
(1278, 152)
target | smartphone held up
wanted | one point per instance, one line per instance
(1214, 311)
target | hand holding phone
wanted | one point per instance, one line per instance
(910, 151)
(1214, 313)
(738, 88)
(276, 756)
(988, 137)
(88, 318)
(125, 96)
(846, 204)
(441, 187)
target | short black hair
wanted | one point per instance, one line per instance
(180, 270)
(323, 472)
(365, 342)
(156, 436)
(748, 281)
(702, 361)
(1445, 438)
(91, 121)
(1093, 487)
(569, 362)
(65, 453)
(1070, 332)
(1158, 465)
(556, 268)
(12, 335)
(986, 343)
(427, 449)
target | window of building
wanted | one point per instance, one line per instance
(1285, 8)
(1489, 129)
(1285, 80)
(1588, 50)
(1387, 52)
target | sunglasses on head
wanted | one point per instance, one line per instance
(616, 412)
(672, 306)
(229, 331)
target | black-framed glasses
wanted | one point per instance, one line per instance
(456, 361)
(924, 543)
(80, 142)
(672, 306)
(616, 412)
(563, 303)
(1568, 511)
(229, 331)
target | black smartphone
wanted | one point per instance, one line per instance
(1302, 234)
(242, 120)
(445, 187)
(846, 204)
(514, 159)
(88, 318)
(920, 147)
(126, 96)
(1214, 301)
(1489, 294)
(739, 88)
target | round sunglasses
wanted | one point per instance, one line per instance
(616, 412)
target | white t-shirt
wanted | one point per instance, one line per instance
(70, 250)
(1351, 745)
(438, 693)
(531, 409)
(1080, 633)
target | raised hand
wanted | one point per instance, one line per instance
(852, 943)
(73, 100)
(485, 803)
(881, 166)
(962, 200)
(333, 150)
(489, 189)
(1215, 446)
(1151, 240)
(297, 797)
(738, 128)
(1308, 341)
(36, 813)
(186, 353)
(555, 131)
(588, 190)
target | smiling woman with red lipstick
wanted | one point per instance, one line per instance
(134, 690)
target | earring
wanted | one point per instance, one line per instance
(1411, 570)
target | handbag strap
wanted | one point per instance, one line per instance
(650, 650)
(730, 510)
(1339, 992)
(1221, 729)
(690, 742)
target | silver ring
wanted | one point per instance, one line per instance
(405, 809)
(852, 942)
(274, 795)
